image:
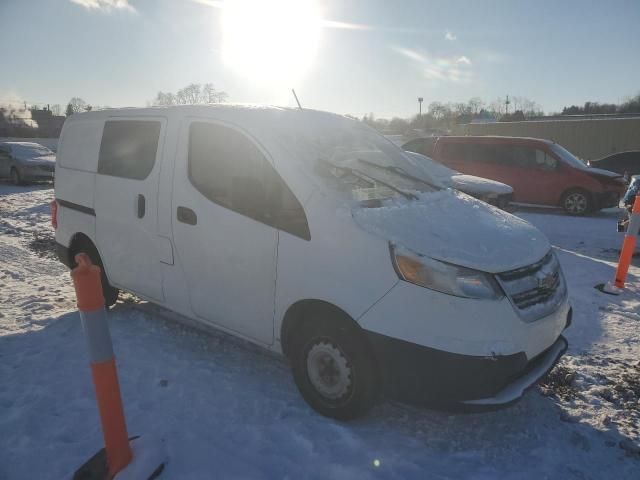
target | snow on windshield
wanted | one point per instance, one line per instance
(362, 150)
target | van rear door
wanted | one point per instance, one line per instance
(126, 193)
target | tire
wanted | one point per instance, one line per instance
(577, 202)
(110, 293)
(334, 368)
(15, 177)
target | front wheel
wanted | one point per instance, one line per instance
(577, 202)
(334, 369)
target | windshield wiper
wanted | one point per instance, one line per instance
(369, 178)
(399, 171)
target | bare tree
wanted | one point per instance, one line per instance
(497, 107)
(437, 110)
(211, 95)
(193, 94)
(461, 108)
(528, 107)
(475, 105)
(77, 105)
(189, 95)
(56, 109)
(164, 99)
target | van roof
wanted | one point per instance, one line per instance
(217, 109)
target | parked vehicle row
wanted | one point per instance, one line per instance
(313, 236)
(26, 161)
(541, 172)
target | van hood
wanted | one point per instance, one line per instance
(453, 227)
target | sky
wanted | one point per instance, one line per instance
(345, 56)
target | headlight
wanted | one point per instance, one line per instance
(443, 277)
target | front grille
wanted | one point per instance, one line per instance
(536, 290)
(46, 168)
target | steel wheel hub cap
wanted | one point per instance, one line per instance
(328, 370)
(576, 203)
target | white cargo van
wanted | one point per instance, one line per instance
(311, 235)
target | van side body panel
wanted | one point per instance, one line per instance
(342, 264)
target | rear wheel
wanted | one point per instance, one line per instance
(577, 202)
(15, 177)
(333, 368)
(110, 293)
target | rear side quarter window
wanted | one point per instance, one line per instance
(128, 148)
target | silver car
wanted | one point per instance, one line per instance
(26, 161)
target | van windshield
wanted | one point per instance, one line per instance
(568, 157)
(372, 166)
(346, 145)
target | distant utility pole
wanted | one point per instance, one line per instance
(420, 99)
(506, 105)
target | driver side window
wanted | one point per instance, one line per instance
(226, 167)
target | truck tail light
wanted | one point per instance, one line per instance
(54, 214)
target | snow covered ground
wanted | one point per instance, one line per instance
(225, 409)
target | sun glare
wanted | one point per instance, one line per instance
(272, 42)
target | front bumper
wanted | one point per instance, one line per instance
(425, 376)
(447, 350)
(534, 371)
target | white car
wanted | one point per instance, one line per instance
(26, 161)
(313, 236)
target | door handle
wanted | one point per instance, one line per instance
(188, 216)
(142, 205)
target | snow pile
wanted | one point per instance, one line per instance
(456, 228)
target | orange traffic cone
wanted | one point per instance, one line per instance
(117, 454)
(626, 254)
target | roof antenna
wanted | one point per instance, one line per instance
(296, 97)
